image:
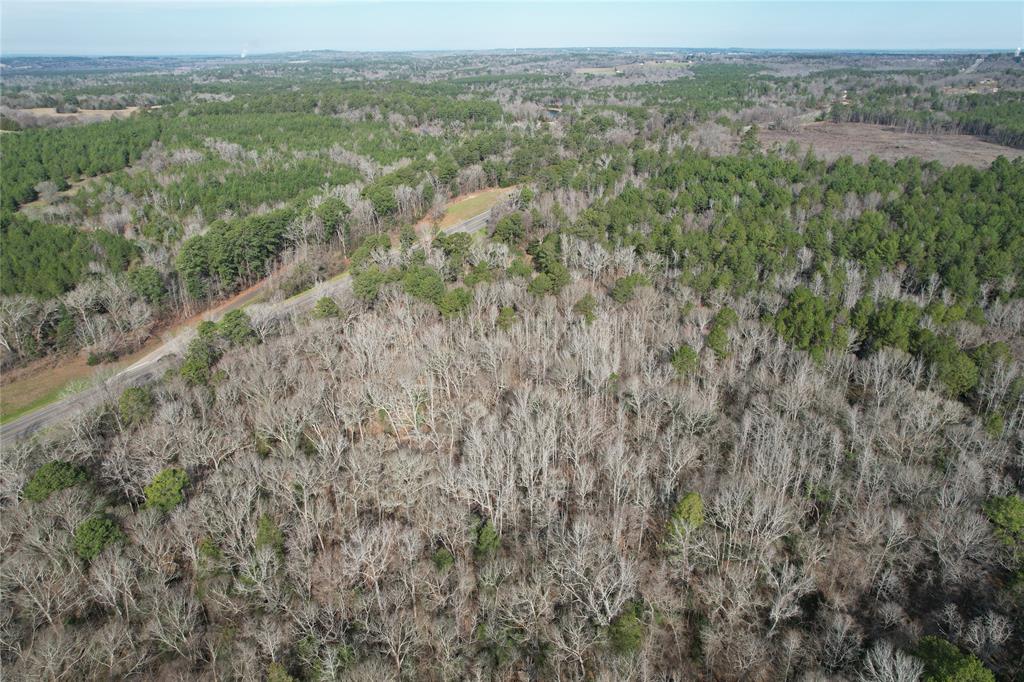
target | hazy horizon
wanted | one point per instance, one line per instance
(187, 27)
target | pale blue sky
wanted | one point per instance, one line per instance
(230, 26)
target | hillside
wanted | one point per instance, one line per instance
(685, 407)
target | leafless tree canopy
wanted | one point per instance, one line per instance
(379, 448)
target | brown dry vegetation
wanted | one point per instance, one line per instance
(49, 116)
(864, 140)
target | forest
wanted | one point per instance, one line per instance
(687, 406)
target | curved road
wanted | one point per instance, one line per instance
(149, 367)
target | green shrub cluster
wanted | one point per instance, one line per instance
(94, 535)
(166, 490)
(624, 287)
(488, 542)
(51, 477)
(626, 631)
(326, 307)
(944, 662)
(135, 406)
(718, 335)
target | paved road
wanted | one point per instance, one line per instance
(152, 365)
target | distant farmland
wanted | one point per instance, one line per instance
(863, 140)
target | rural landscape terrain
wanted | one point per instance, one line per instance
(513, 365)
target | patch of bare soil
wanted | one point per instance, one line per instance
(863, 140)
(82, 115)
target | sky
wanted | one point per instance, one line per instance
(161, 27)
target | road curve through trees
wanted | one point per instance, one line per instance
(149, 367)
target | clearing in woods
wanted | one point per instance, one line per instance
(82, 115)
(864, 140)
(464, 208)
(596, 70)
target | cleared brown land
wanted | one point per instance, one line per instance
(83, 115)
(863, 140)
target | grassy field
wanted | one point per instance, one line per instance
(473, 204)
(16, 408)
(36, 389)
(596, 70)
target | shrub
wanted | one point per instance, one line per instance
(99, 358)
(94, 534)
(236, 327)
(51, 477)
(625, 287)
(366, 284)
(165, 491)
(268, 534)
(455, 302)
(487, 541)
(299, 278)
(943, 662)
(326, 307)
(135, 405)
(1007, 515)
(540, 285)
(510, 229)
(586, 308)
(423, 282)
(506, 318)
(626, 631)
(685, 360)
(443, 559)
(688, 513)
